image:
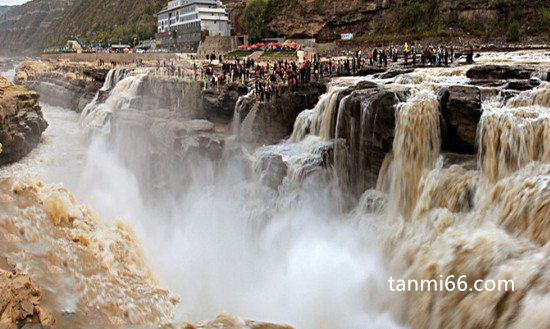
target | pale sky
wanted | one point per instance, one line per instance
(12, 2)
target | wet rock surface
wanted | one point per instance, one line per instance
(522, 85)
(270, 122)
(219, 105)
(273, 170)
(227, 321)
(68, 85)
(461, 111)
(21, 122)
(366, 126)
(180, 142)
(20, 300)
(188, 99)
(499, 72)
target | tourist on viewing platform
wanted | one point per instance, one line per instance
(452, 53)
(470, 55)
(371, 58)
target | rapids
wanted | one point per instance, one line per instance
(223, 241)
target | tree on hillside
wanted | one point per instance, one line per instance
(253, 19)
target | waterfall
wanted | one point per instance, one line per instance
(320, 120)
(114, 76)
(513, 136)
(9, 74)
(416, 147)
(239, 111)
(260, 232)
(96, 117)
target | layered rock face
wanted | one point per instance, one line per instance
(461, 111)
(40, 24)
(326, 20)
(187, 99)
(69, 85)
(270, 122)
(31, 25)
(21, 122)
(365, 131)
(150, 117)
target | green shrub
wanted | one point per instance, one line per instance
(542, 20)
(417, 16)
(253, 19)
(513, 32)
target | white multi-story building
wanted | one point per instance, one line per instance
(182, 23)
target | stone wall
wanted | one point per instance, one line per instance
(220, 45)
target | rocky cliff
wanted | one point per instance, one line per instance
(21, 121)
(36, 24)
(40, 24)
(4, 9)
(271, 122)
(46, 23)
(69, 85)
(326, 20)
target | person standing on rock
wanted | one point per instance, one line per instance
(452, 53)
(470, 55)
(370, 58)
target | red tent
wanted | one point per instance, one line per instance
(243, 47)
(260, 44)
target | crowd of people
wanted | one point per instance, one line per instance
(270, 78)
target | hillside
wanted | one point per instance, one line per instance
(3, 9)
(41, 24)
(35, 24)
(47, 23)
(325, 20)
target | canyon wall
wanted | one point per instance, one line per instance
(41, 24)
(21, 122)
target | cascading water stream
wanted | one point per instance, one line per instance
(512, 136)
(95, 117)
(113, 77)
(288, 253)
(239, 111)
(9, 74)
(416, 148)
